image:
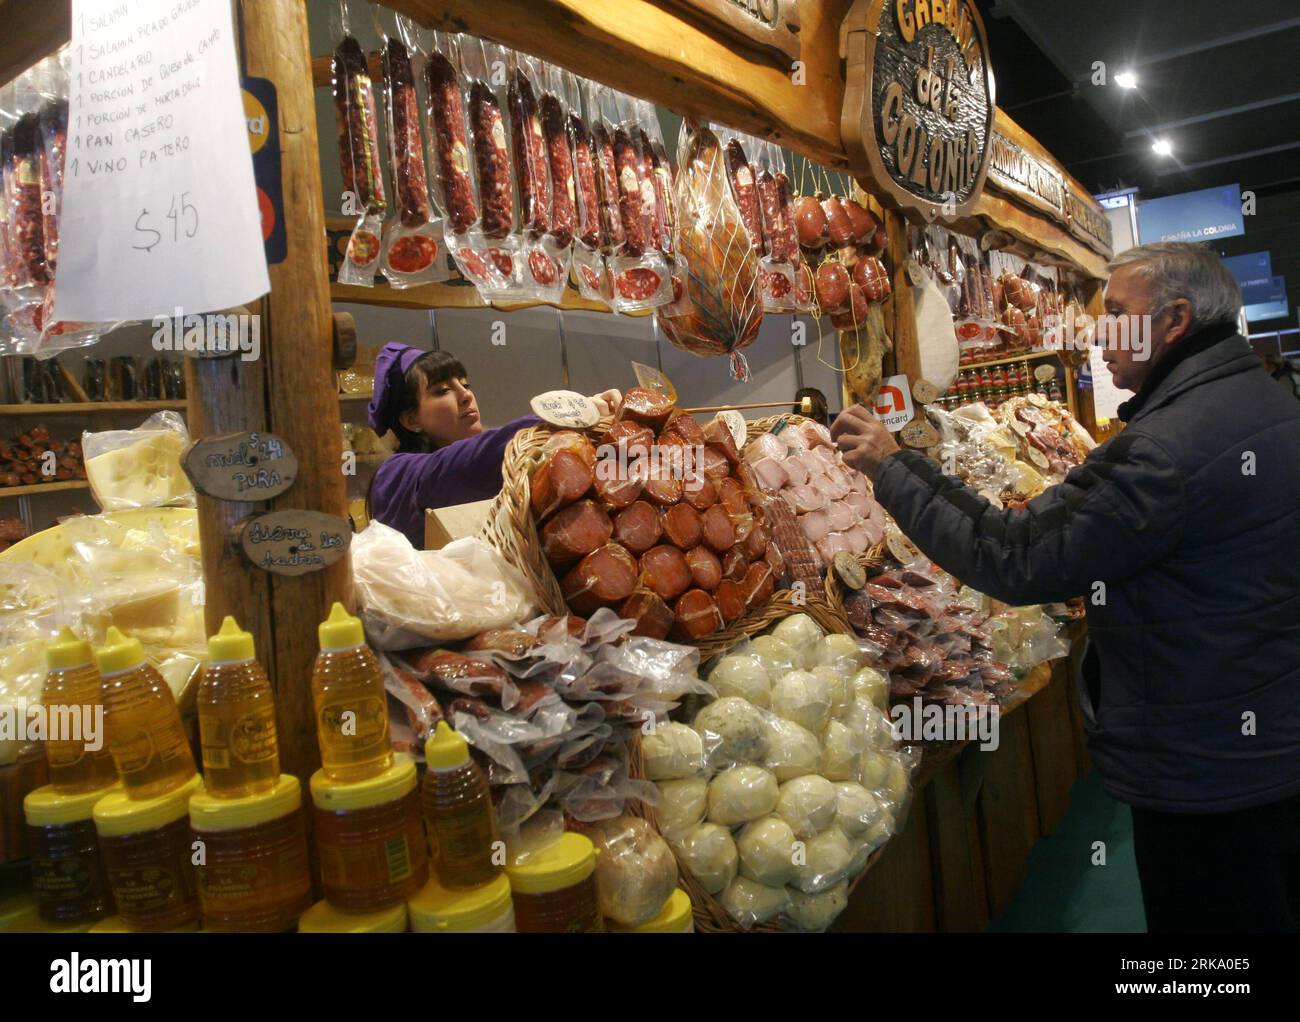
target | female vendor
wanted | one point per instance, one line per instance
(444, 454)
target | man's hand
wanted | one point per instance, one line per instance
(864, 441)
(607, 401)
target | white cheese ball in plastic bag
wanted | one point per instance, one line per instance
(879, 832)
(871, 685)
(857, 810)
(673, 751)
(807, 804)
(841, 687)
(825, 862)
(743, 676)
(873, 770)
(841, 652)
(792, 751)
(812, 912)
(804, 698)
(872, 723)
(803, 635)
(635, 869)
(766, 849)
(682, 804)
(733, 731)
(709, 852)
(750, 903)
(775, 656)
(860, 851)
(841, 752)
(896, 783)
(741, 794)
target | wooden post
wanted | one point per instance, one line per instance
(290, 390)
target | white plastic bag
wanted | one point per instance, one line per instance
(410, 597)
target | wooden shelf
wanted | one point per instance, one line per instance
(456, 295)
(88, 407)
(54, 487)
(1030, 356)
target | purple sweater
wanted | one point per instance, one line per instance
(459, 473)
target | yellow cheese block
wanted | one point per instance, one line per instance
(146, 473)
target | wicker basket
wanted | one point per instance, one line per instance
(510, 528)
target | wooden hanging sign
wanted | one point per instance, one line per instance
(770, 25)
(294, 541)
(249, 466)
(918, 111)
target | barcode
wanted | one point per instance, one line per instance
(399, 859)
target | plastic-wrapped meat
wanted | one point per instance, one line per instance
(875, 532)
(857, 608)
(832, 544)
(859, 483)
(915, 579)
(805, 498)
(816, 525)
(832, 488)
(996, 671)
(770, 474)
(504, 640)
(459, 673)
(858, 539)
(796, 470)
(839, 516)
(860, 503)
(825, 457)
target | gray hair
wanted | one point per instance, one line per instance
(1183, 269)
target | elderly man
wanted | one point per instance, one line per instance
(1183, 534)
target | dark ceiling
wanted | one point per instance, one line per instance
(1220, 80)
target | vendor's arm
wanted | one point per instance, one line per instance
(1118, 512)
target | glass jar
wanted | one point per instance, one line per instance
(146, 847)
(254, 876)
(370, 836)
(554, 890)
(483, 909)
(68, 876)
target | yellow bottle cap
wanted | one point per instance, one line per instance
(340, 630)
(48, 807)
(563, 863)
(674, 917)
(231, 644)
(208, 813)
(119, 653)
(394, 783)
(116, 815)
(325, 918)
(436, 909)
(68, 651)
(445, 749)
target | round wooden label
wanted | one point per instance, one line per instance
(735, 423)
(1019, 427)
(1044, 372)
(294, 541)
(915, 274)
(1038, 457)
(903, 549)
(848, 570)
(249, 466)
(923, 391)
(1037, 399)
(566, 408)
(919, 433)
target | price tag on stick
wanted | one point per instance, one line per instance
(159, 207)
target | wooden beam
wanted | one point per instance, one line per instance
(33, 29)
(658, 54)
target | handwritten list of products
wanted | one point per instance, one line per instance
(159, 205)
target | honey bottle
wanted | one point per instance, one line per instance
(145, 733)
(71, 698)
(236, 718)
(347, 689)
(458, 812)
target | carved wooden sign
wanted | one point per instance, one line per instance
(1015, 170)
(918, 102)
(293, 541)
(767, 24)
(249, 466)
(1088, 221)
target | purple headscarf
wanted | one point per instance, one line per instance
(390, 373)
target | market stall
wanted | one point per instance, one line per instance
(668, 648)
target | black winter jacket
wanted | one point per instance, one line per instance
(1191, 519)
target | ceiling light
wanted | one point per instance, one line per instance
(1161, 147)
(1126, 80)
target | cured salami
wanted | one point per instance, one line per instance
(731, 600)
(560, 480)
(629, 193)
(665, 571)
(410, 182)
(744, 190)
(560, 158)
(685, 426)
(620, 487)
(718, 436)
(706, 569)
(586, 194)
(719, 532)
(492, 160)
(734, 564)
(645, 406)
(697, 615)
(568, 440)
(755, 544)
(611, 217)
(759, 584)
(531, 174)
(358, 126)
(605, 576)
(732, 496)
(450, 143)
(638, 527)
(654, 618)
(682, 526)
(702, 494)
(576, 531)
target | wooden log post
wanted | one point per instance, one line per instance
(290, 390)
